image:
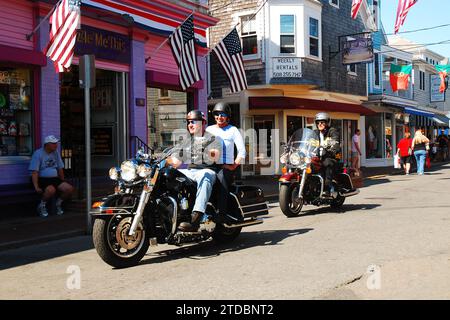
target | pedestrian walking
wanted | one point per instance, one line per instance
(420, 146)
(404, 151)
(356, 152)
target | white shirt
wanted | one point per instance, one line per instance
(355, 140)
(229, 137)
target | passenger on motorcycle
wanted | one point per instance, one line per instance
(200, 153)
(229, 137)
(329, 148)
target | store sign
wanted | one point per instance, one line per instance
(357, 49)
(435, 82)
(103, 141)
(103, 44)
(286, 67)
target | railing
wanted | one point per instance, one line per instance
(136, 143)
(406, 94)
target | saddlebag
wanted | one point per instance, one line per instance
(250, 200)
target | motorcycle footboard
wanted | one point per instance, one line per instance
(250, 201)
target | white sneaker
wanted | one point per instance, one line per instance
(42, 210)
(59, 210)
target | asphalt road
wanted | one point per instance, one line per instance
(391, 241)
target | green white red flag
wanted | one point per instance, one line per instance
(443, 71)
(399, 77)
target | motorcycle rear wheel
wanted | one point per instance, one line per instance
(338, 202)
(290, 204)
(225, 235)
(114, 246)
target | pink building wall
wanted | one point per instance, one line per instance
(16, 20)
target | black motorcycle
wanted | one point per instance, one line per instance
(302, 181)
(152, 199)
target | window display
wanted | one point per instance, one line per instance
(15, 112)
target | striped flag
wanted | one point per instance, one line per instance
(229, 53)
(182, 42)
(355, 7)
(402, 11)
(64, 20)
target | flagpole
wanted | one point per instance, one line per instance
(164, 42)
(28, 36)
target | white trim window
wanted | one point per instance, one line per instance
(164, 93)
(314, 48)
(335, 3)
(422, 80)
(352, 70)
(287, 34)
(376, 70)
(248, 36)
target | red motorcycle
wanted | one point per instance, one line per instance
(302, 182)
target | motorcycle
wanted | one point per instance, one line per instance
(152, 199)
(301, 183)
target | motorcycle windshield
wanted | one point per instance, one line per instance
(305, 140)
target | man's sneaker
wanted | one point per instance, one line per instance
(42, 210)
(59, 210)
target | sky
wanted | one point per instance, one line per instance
(424, 14)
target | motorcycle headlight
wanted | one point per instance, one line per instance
(295, 159)
(144, 170)
(113, 173)
(128, 170)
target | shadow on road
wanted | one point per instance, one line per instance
(344, 209)
(47, 251)
(209, 249)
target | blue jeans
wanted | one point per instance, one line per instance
(205, 179)
(420, 160)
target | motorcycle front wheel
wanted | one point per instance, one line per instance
(115, 246)
(291, 205)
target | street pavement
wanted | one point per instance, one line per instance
(391, 241)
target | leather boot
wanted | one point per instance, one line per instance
(195, 222)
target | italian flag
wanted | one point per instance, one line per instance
(399, 77)
(443, 71)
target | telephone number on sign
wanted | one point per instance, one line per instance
(287, 74)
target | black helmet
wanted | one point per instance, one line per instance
(222, 107)
(195, 115)
(323, 116)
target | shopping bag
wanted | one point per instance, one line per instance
(428, 162)
(397, 162)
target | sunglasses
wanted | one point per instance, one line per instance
(221, 114)
(193, 121)
(321, 122)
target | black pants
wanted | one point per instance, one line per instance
(328, 170)
(225, 178)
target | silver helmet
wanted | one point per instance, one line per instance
(323, 116)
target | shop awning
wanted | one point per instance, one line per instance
(307, 104)
(441, 120)
(418, 112)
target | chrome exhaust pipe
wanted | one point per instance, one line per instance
(243, 224)
(351, 193)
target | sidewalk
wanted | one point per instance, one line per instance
(22, 227)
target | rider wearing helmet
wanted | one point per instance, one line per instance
(199, 153)
(329, 147)
(229, 137)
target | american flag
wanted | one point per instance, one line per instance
(355, 7)
(229, 53)
(64, 20)
(182, 42)
(402, 11)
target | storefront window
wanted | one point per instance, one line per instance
(293, 123)
(165, 115)
(388, 122)
(374, 137)
(15, 112)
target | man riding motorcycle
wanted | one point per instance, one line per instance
(329, 148)
(200, 156)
